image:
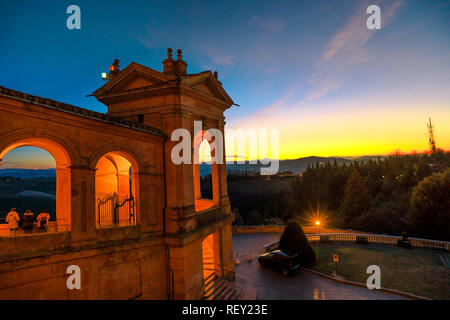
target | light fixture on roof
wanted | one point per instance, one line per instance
(113, 70)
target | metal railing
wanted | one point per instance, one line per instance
(113, 211)
(368, 238)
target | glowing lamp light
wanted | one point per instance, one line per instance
(111, 68)
(317, 222)
(104, 75)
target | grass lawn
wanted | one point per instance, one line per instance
(416, 271)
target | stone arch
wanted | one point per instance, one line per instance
(125, 152)
(114, 183)
(211, 255)
(200, 202)
(65, 155)
(61, 148)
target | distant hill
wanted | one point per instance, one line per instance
(300, 165)
(296, 166)
(36, 194)
(28, 173)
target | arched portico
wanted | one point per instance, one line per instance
(63, 175)
(116, 188)
(204, 150)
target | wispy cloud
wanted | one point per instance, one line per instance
(352, 38)
(346, 49)
(218, 56)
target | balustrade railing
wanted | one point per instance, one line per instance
(368, 238)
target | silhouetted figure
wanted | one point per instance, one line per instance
(404, 242)
(28, 221)
(404, 236)
(13, 220)
(42, 220)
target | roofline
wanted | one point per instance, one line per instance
(77, 111)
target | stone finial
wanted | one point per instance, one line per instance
(216, 75)
(114, 69)
(168, 62)
(180, 65)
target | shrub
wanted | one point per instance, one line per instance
(431, 206)
(293, 241)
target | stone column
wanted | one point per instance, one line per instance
(82, 185)
(149, 202)
(63, 195)
(179, 178)
(227, 252)
(197, 184)
(224, 200)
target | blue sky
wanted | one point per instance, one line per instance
(293, 65)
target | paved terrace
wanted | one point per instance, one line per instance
(271, 284)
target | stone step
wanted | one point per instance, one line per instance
(212, 288)
(218, 287)
(227, 294)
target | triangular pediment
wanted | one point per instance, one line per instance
(132, 77)
(208, 85)
(135, 77)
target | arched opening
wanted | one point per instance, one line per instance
(36, 177)
(211, 257)
(205, 173)
(115, 191)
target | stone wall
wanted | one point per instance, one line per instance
(135, 270)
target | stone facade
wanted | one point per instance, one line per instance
(160, 256)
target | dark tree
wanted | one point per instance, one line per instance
(293, 241)
(430, 204)
(356, 199)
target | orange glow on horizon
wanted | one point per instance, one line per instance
(338, 130)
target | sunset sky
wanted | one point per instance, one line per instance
(311, 69)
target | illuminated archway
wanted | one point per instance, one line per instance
(115, 190)
(63, 176)
(206, 188)
(211, 256)
(208, 256)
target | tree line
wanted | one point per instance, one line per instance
(390, 195)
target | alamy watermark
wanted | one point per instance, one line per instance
(74, 280)
(374, 280)
(260, 145)
(74, 20)
(374, 20)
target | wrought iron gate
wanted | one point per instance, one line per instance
(115, 211)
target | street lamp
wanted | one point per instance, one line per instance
(317, 225)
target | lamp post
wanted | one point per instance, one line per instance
(317, 225)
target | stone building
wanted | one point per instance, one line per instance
(134, 222)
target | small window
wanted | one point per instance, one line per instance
(140, 118)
